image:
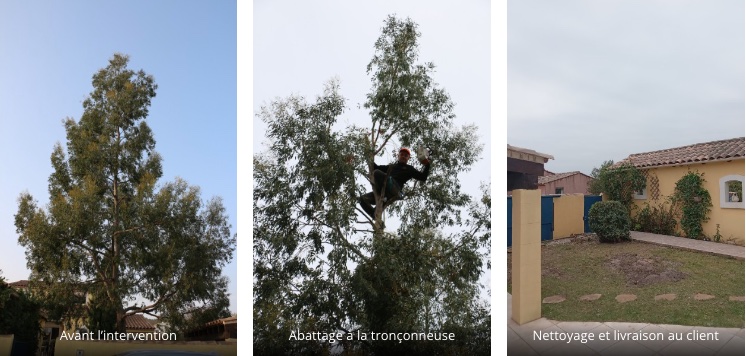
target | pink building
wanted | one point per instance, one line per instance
(564, 183)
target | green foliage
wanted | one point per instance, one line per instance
(101, 313)
(610, 221)
(617, 183)
(596, 185)
(694, 202)
(320, 265)
(19, 315)
(109, 227)
(717, 237)
(658, 219)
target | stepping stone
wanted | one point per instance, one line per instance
(589, 297)
(700, 296)
(553, 299)
(736, 299)
(623, 298)
(665, 297)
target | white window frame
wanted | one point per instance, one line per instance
(724, 203)
(642, 196)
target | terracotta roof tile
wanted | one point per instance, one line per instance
(19, 284)
(228, 320)
(700, 152)
(137, 321)
(557, 176)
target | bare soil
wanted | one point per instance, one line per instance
(643, 271)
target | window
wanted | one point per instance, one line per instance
(735, 191)
(559, 190)
(641, 194)
(731, 192)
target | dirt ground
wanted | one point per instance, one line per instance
(638, 270)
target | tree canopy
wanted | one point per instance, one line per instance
(19, 315)
(110, 229)
(322, 265)
(618, 181)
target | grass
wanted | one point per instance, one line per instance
(580, 268)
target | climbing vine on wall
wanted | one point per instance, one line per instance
(621, 182)
(694, 203)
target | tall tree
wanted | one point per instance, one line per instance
(596, 185)
(109, 229)
(320, 264)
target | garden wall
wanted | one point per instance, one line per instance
(568, 215)
(100, 347)
(6, 344)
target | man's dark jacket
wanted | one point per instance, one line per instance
(402, 172)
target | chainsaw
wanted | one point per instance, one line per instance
(423, 155)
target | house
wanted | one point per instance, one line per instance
(216, 330)
(138, 324)
(564, 183)
(133, 323)
(50, 328)
(721, 162)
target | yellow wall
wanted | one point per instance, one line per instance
(95, 347)
(568, 215)
(6, 344)
(731, 220)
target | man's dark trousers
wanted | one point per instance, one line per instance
(367, 200)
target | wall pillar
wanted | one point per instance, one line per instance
(526, 259)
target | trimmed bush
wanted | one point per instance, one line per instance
(610, 221)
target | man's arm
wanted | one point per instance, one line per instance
(384, 168)
(421, 176)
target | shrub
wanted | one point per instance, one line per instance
(610, 221)
(19, 315)
(618, 182)
(694, 202)
(656, 219)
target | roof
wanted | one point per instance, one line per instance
(696, 153)
(19, 284)
(224, 321)
(558, 176)
(137, 321)
(527, 154)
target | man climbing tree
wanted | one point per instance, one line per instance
(317, 268)
(395, 175)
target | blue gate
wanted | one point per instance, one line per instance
(510, 221)
(589, 200)
(547, 218)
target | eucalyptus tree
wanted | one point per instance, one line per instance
(110, 229)
(321, 264)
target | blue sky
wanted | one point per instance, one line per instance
(51, 51)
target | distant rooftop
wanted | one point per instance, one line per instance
(557, 176)
(528, 154)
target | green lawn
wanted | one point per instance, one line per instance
(576, 269)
